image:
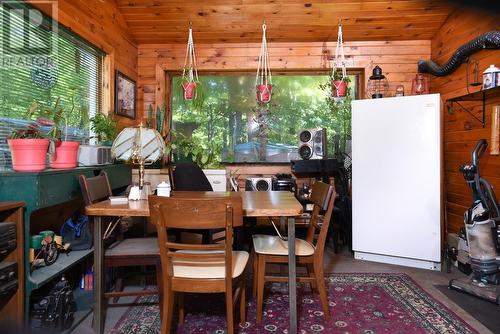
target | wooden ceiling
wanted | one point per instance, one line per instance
(167, 21)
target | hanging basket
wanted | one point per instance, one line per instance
(339, 78)
(190, 71)
(189, 89)
(263, 80)
(264, 93)
(339, 88)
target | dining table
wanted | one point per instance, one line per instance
(281, 204)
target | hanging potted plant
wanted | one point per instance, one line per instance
(189, 72)
(338, 78)
(263, 80)
(28, 147)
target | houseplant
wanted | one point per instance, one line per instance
(63, 153)
(104, 127)
(338, 84)
(340, 109)
(28, 147)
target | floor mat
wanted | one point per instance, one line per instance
(483, 311)
(359, 303)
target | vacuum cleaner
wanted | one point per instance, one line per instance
(482, 227)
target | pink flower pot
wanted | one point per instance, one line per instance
(66, 154)
(28, 155)
(264, 93)
(189, 90)
(339, 88)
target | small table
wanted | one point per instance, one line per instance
(255, 204)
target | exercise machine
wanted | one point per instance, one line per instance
(482, 227)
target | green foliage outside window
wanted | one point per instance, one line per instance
(226, 126)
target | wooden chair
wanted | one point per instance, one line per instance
(127, 252)
(309, 252)
(200, 268)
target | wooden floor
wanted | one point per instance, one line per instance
(337, 263)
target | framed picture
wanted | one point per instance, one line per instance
(124, 95)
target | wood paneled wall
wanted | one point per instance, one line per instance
(398, 60)
(101, 23)
(461, 131)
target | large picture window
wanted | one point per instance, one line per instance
(74, 78)
(226, 124)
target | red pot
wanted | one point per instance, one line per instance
(189, 90)
(339, 88)
(28, 155)
(264, 93)
(66, 155)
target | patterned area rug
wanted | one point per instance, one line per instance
(359, 303)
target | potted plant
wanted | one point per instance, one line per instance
(339, 84)
(340, 108)
(104, 127)
(28, 147)
(63, 153)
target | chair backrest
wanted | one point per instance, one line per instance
(323, 198)
(190, 177)
(195, 213)
(95, 189)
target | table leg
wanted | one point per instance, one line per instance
(292, 278)
(98, 277)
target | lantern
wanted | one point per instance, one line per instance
(377, 84)
(263, 80)
(419, 85)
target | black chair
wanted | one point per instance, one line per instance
(190, 177)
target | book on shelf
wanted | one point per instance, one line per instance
(118, 199)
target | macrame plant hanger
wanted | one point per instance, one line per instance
(190, 71)
(263, 79)
(339, 86)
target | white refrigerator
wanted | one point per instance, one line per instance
(396, 180)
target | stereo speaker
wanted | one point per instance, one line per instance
(258, 184)
(312, 144)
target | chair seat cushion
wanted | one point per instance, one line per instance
(273, 245)
(204, 269)
(134, 247)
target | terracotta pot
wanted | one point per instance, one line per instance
(339, 88)
(189, 89)
(66, 155)
(264, 93)
(28, 155)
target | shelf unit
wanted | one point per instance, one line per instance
(481, 96)
(52, 195)
(12, 312)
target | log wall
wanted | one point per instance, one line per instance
(461, 130)
(101, 24)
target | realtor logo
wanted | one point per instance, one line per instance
(28, 37)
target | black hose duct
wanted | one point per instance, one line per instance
(489, 40)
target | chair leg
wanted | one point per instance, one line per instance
(168, 305)
(242, 303)
(159, 286)
(310, 273)
(261, 269)
(320, 282)
(180, 300)
(229, 311)
(255, 274)
(118, 288)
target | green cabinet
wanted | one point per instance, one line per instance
(52, 189)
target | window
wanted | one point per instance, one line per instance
(225, 123)
(74, 77)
